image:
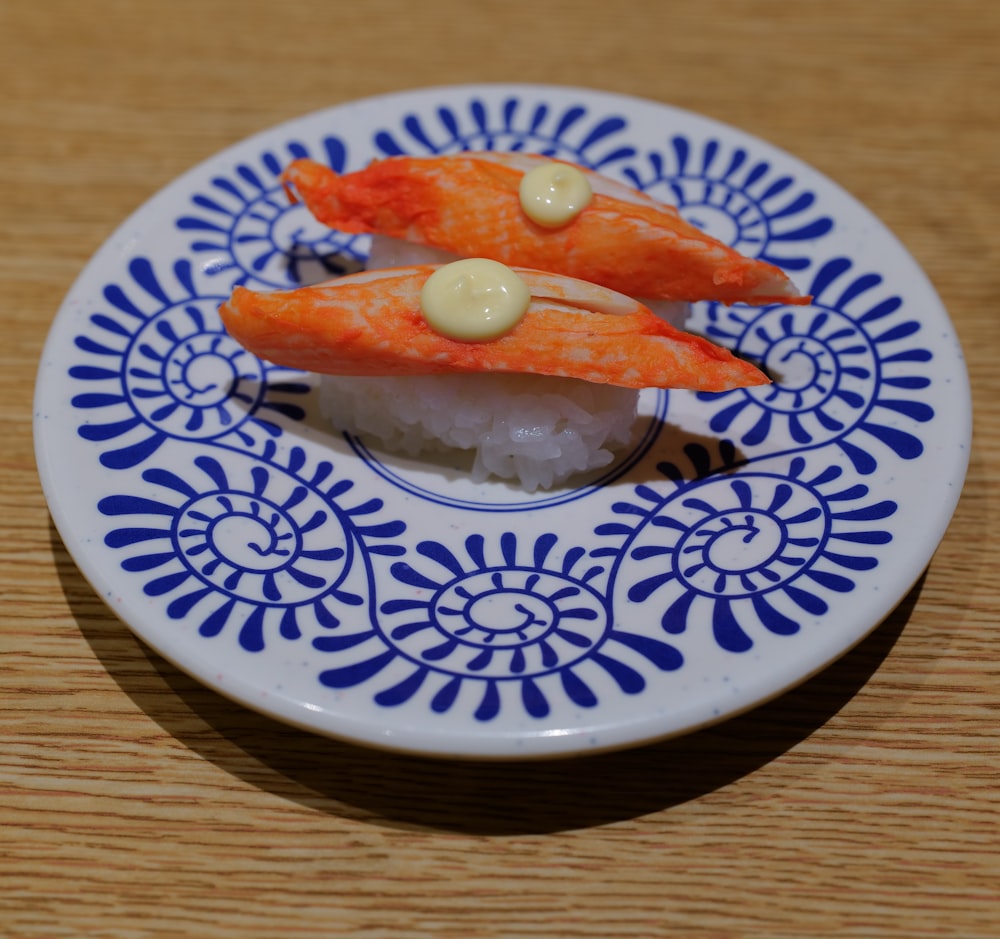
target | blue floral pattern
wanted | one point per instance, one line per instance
(273, 546)
(741, 552)
(157, 366)
(572, 133)
(495, 624)
(237, 521)
(249, 228)
(847, 370)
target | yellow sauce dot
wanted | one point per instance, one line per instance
(474, 300)
(554, 194)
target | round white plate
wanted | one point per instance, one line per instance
(748, 540)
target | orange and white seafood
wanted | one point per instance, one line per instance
(469, 204)
(372, 323)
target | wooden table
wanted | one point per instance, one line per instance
(137, 803)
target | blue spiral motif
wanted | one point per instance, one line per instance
(846, 369)
(157, 365)
(256, 235)
(570, 133)
(758, 550)
(741, 201)
(494, 629)
(249, 543)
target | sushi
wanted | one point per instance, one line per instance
(555, 395)
(534, 431)
(475, 205)
(534, 351)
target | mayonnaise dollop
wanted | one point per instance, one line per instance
(474, 300)
(554, 194)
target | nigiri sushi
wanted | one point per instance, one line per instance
(554, 390)
(553, 394)
(502, 205)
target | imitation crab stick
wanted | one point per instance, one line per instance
(372, 324)
(471, 205)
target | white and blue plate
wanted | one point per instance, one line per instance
(746, 541)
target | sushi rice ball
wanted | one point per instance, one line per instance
(536, 431)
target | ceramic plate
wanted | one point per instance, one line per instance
(744, 542)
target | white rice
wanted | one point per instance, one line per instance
(535, 430)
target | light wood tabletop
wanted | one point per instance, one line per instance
(136, 802)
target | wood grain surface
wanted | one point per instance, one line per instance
(135, 802)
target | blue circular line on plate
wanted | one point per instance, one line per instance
(656, 422)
